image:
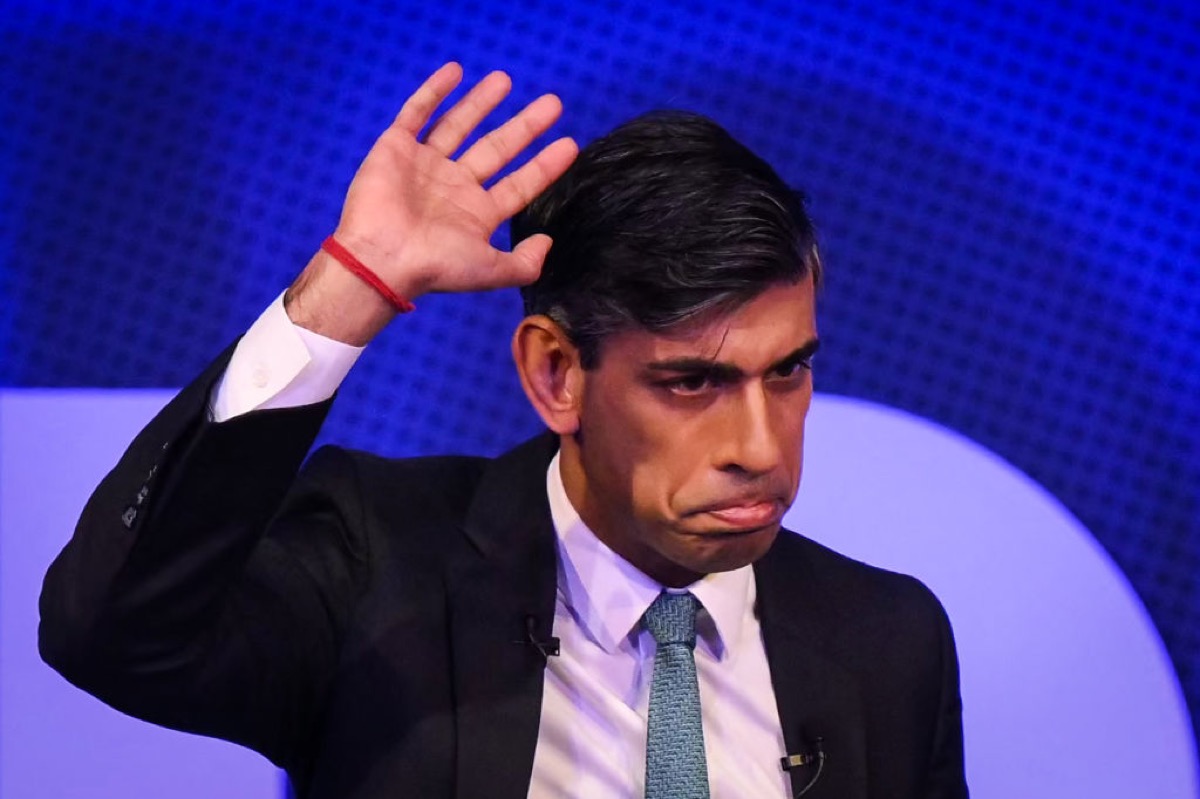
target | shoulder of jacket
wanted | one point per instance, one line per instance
(855, 580)
(431, 479)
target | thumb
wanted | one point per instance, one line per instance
(523, 265)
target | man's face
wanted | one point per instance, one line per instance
(690, 442)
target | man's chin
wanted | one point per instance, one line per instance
(685, 555)
(722, 550)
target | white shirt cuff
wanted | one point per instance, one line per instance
(279, 364)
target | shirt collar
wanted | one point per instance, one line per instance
(607, 595)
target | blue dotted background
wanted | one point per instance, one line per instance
(1007, 194)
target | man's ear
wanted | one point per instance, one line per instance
(550, 371)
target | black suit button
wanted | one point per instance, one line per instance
(129, 517)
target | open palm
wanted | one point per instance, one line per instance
(422, 219)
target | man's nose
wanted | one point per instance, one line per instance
(752, 442)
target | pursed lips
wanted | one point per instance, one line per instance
(749, 513)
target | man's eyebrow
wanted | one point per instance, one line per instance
(801, 353)
(695, 365)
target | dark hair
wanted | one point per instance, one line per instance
(662, 221)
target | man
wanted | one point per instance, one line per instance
(607, 610)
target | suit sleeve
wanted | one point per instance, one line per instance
(206, 585)
(946, 775)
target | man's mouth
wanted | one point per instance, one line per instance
(748, 515)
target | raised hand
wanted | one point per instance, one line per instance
(422, 219)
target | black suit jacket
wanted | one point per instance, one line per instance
(366, 624)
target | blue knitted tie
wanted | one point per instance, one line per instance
(675, 766)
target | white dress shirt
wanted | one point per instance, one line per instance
(592, 734)
(280, 365)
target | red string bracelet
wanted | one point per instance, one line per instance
(347, 259)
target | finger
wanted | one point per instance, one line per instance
(518, 189)
(452, 129)
(492, 153)
(523, 265)
(425, 100)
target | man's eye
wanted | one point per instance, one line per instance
(794, 368)
(688, 384)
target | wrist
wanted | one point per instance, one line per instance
(372, 254)
(328, 299)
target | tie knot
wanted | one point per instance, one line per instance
(671, 619)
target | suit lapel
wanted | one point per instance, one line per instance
(816, 696)
(503, 583)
